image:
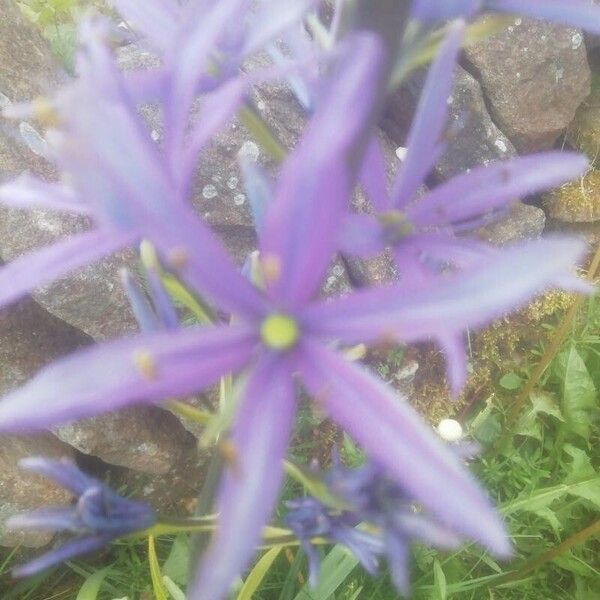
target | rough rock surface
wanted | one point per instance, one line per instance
(473, 139)
(534, 76)
(20, 491)
(584, 131)
(576, 202)
(522, 222)
(91, 299)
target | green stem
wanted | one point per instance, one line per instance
(538, 561)
(552, 349)
(261, 132)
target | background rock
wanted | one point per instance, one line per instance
(534, 76)
(576, 202)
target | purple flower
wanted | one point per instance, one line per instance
(575, 13)
(119, 178)
(97, 516)
(284, 334)
(385, 514)
(422, 230)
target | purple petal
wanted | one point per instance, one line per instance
(451, 304)
(486, 189)
(445, 249)
(64, 472)
(273, 18)
(69, 550)
(425, 143)
(574, 13)
(373, 177)
(163, 305)
(144, 315)
(398, 557)
(315, 182)
(193, 58)
(38, 268)
(251, 484)
(456, 362)
(218, 108)
(143, 369)
(52, 518)
(157, 20)
(30, 192)
(434, 10)
(416, 526)
(361, 235)
(393, 434)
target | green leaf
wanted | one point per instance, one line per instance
(439, 581)
(541, 402)
(176, 565)
(173, 589)
(511, 381)
(335, 568)
(91, 586)
(258, 573)
(157, 584)
(579, 395)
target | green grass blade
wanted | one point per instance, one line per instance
(157, 584)
(258, 573)
(91, 586)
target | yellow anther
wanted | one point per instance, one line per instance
(148, 255)
(279, 332)
(271, 265)
(230, 455)
(178, 258)
(144, 363)
(396, 225)
(44, 112)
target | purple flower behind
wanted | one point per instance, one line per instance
(379, 518)
(574, 13)
(97, 516)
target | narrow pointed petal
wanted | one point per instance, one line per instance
(445, 249)
(258, 187)
(373, 177)
(218, 108)
(30, 192)
(69, 550)
(456, 362)
(486, 189)
(59, 518)
(251, 484)
(272, 19)
(393, 434)
(142, 311)
(156, 20)
(361, 235)
(398, 557)
(449, 305)
(315, 182)
(574, 13)
(425, 142)
(64, 472)
(38, 268)
(143, 369)
(433, 10)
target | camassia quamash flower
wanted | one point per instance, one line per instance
(285, 335)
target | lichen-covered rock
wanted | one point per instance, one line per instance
(577, 201)
(20, 491)
(145, 439)
(584, 131)
(473, 139)
(522, 222)
(534, 75)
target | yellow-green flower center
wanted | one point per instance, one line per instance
(395, 225)
(279, 332)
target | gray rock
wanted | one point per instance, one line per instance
(522, 222)
(534, 75)
(91, 299)
(473, 139)
(20, 491)
(145, 439)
